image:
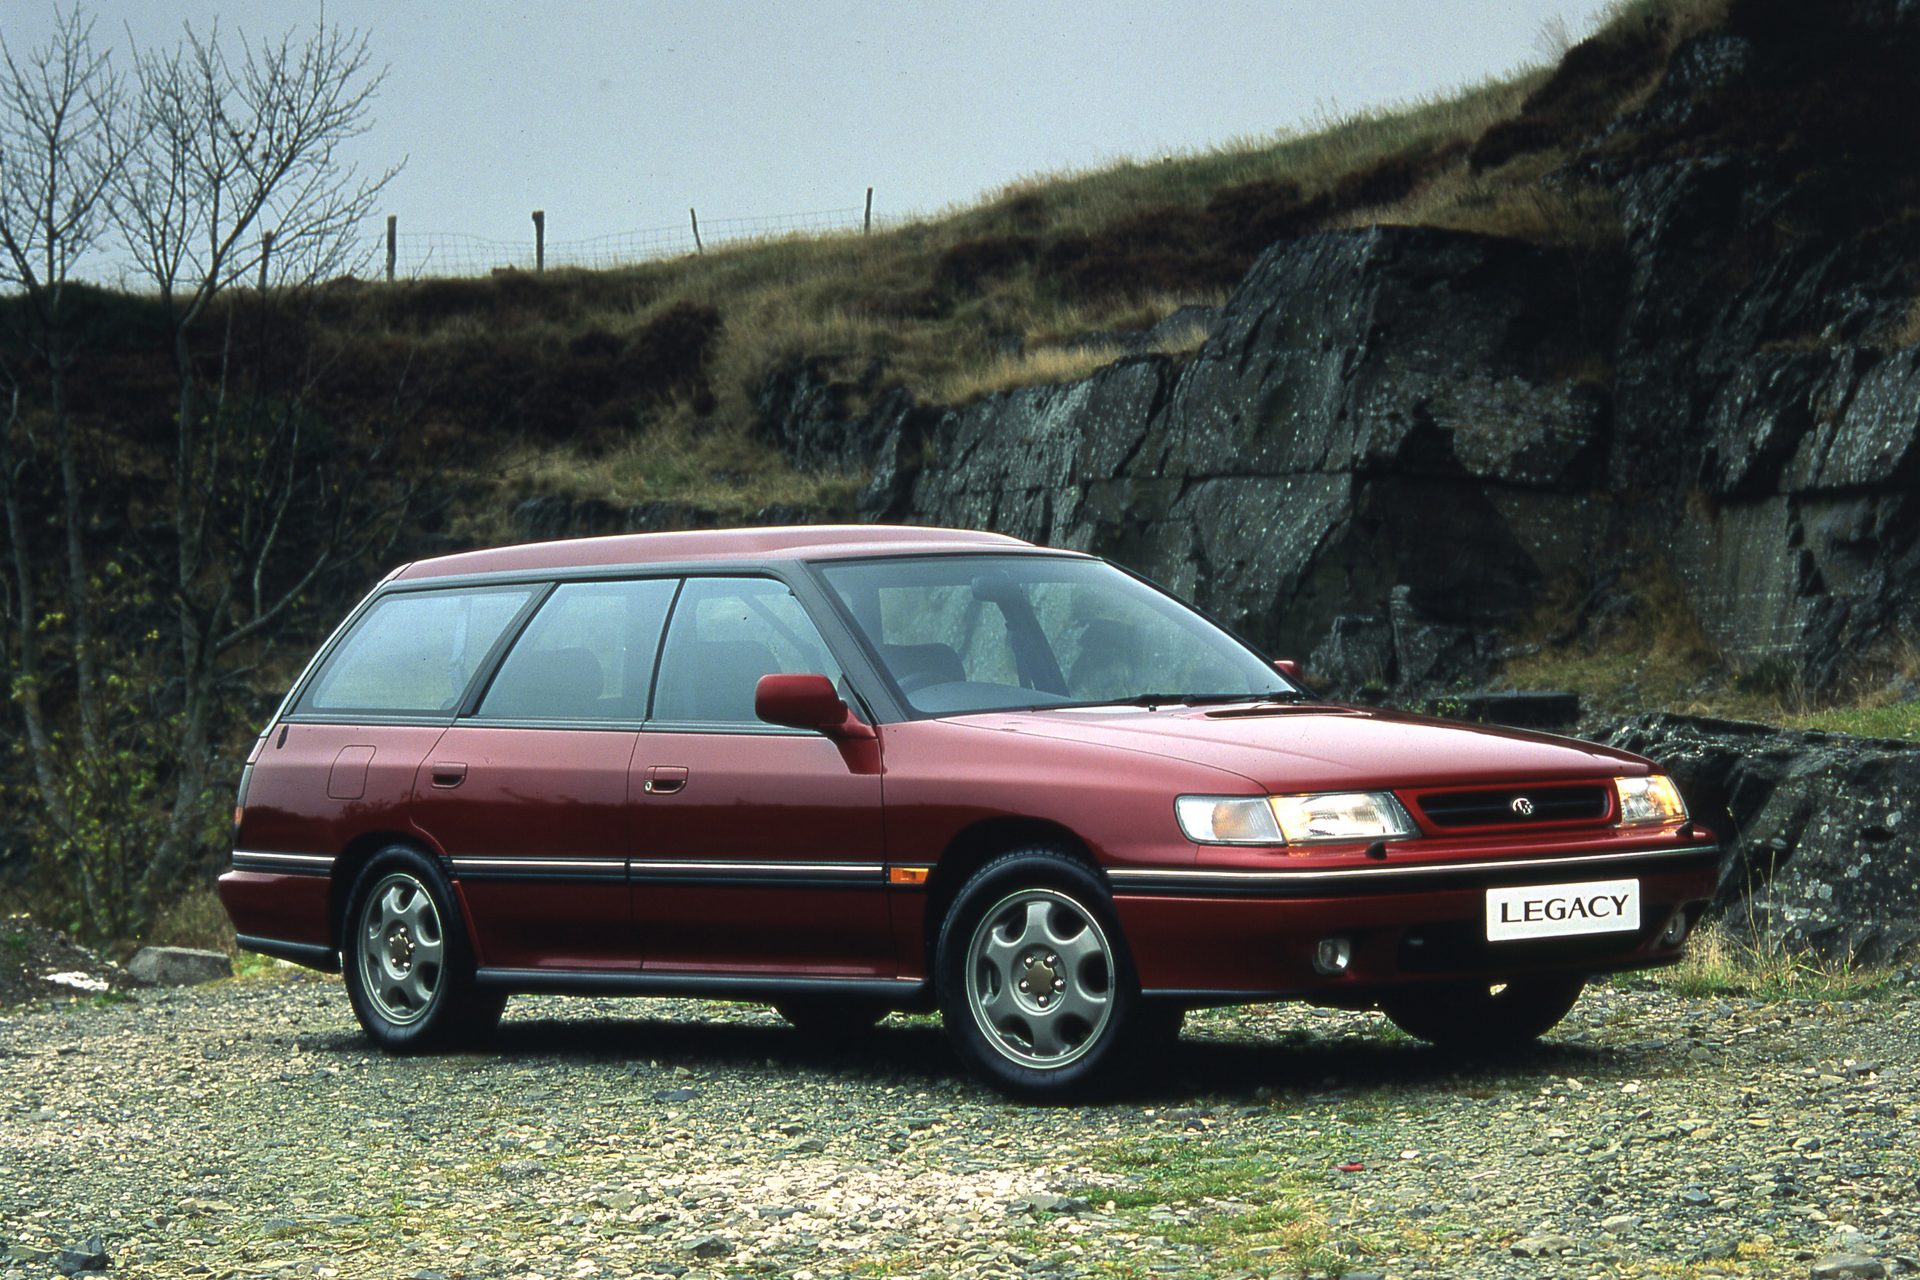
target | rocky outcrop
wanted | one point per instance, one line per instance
(1468, 420)
(1821, 831)
(1734, 387)
(1359, 390)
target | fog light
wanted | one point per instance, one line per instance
(1332, 956)
(1676, 930)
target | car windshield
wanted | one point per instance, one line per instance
(1006, 632)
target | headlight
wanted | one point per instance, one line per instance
(1341, 815)
(1650, 800)
(1315, 819)
(1227, 819)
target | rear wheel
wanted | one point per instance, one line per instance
(1035, 985)
(408, 968)
(1482, 1015)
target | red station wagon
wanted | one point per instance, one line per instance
(848, 770)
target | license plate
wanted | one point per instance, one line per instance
(1563, 910)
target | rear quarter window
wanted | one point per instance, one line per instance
(413, 653)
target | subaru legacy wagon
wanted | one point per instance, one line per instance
(850, 770)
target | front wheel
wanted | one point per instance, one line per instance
(1484, 1016)
(408, 968)
(1035, 985)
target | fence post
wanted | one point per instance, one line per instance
(266, 251)
(866, 227)
(393, 243)
(695, 219)
(539, 239)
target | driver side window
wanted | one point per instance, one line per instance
(725, 634)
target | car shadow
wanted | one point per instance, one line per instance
(1297, 1064)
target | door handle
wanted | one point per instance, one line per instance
(448, 773)
(664, 779)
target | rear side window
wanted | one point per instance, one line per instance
(587, 655)
(727, 633)
(414, 653)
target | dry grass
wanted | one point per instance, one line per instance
(1654, 652)
(194, 919)
(1721, 962)
(932, 306)
(1027, 369)
(723, 470)
(1907, 333)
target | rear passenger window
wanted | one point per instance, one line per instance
(587, 655)
(727, 633)
(413, 653)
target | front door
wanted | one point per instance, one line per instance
(757, 849)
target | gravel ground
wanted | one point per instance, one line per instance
(246, 1129)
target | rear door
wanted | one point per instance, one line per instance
(757, 849)
(342, 763)
(528, 794)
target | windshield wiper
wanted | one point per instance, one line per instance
(1199, 699)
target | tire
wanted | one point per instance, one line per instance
(406, 959)
(1482, 1016)
(1039, 918)
(831, 1021)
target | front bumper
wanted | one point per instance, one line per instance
(1204, 934)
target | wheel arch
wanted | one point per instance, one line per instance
(975, 846)
(353, 859)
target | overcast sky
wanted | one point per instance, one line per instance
(618, 116)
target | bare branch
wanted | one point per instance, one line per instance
(63, 139)
(243, 141)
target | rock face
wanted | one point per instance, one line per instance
(178, 966)
(1822, 831)
(1359, 389)
(1734, 387)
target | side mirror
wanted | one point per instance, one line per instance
(1288, 667)
(806, 702)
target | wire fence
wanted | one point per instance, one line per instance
(425, 254)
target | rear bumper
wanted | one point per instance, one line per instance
(281, 914)
(1224, 935)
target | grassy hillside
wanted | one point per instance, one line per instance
(639, 384)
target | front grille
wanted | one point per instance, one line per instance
(1504, 808)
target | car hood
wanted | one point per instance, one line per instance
(1318, 746)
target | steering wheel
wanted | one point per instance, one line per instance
(914, 681)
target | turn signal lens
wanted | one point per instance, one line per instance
(1649, 801)
(1341, 815)
(1227, 819)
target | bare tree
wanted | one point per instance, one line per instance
(63, 139)
(239, 140)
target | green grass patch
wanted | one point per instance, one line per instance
(14, 944)
(1232, 1201)
(251, 966)
(1898, 720)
